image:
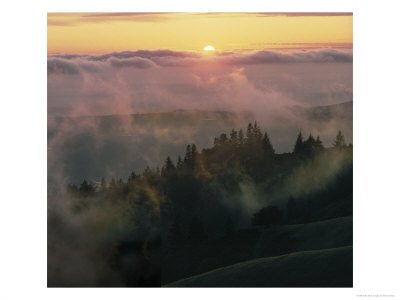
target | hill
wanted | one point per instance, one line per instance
(253, 243)
(317, 268)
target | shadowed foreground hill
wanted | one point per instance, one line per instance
(317, 268)
(333, 233)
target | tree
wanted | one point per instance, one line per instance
(268, 148)
(318, 144)
(299, 147)
(194, 152)
(176, 234)
(249, 132)
(291, 210)
(339, 140)
(223, 139)
(240, 137)
(309, 145)
(168, 166)
(229, 227)
(233, 137)
(179, 162)
(196, 230)
(132, 177)
(103, 185)
(267, 216)
(86, 189)
(113, 184)
(257, 135)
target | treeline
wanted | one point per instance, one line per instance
(201, 183)
(210, 197)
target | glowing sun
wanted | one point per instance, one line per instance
(209, 48)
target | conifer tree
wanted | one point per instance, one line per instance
(233, 137)
(339, 140)
(169, 165)
(268, 148)
(132, 177)
(103, 185)
(188, 155)
(240, 137)
(179, 162)
(318, 144)
(223, 139)
(257, 135)
(249, 132)
(298, 147)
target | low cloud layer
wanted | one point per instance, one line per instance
(143, 58)
(267, 84)
(163, 80)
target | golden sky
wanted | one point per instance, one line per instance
(107, 32)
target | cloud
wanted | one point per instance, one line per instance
(137, 62)
(305, 14)
(59, 66)
(275, 57)
(72, 19)
(165, 57)
(162, 80)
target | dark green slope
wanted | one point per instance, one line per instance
(316, 268)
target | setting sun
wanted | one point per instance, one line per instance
(209, 48)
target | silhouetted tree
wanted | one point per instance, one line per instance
(168, 167)
(72, 189)
(318, 144)
(194, 151)
(223, 139)
(268, 148)
(103, 185)
(339, 140)
(179, 162)
(233, 137)
(113, 184)
(188, 155)
(132, 177)
(267, 216)
(240, 137)
(257, 135)
(249, 132)
(298, 147)
(291, 210)
(176, 234)
(86, 189)
(196, 230)
(229, 227)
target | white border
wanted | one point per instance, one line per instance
(23, 149)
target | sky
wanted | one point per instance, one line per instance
(107, 32)
(126, 63)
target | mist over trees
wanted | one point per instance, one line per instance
(212, 194)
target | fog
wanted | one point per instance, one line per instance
(266, 86)
(117, 113)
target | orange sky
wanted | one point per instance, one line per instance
(106, 32)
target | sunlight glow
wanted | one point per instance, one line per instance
(209, 48)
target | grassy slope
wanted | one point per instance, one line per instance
(316, 268)
(331, 233)
(275, 241)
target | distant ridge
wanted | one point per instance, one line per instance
(341, 111)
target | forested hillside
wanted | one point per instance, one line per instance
(203, 210)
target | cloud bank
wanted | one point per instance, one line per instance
(146, 58)
(163, 80)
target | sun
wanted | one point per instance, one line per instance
(209, 48)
